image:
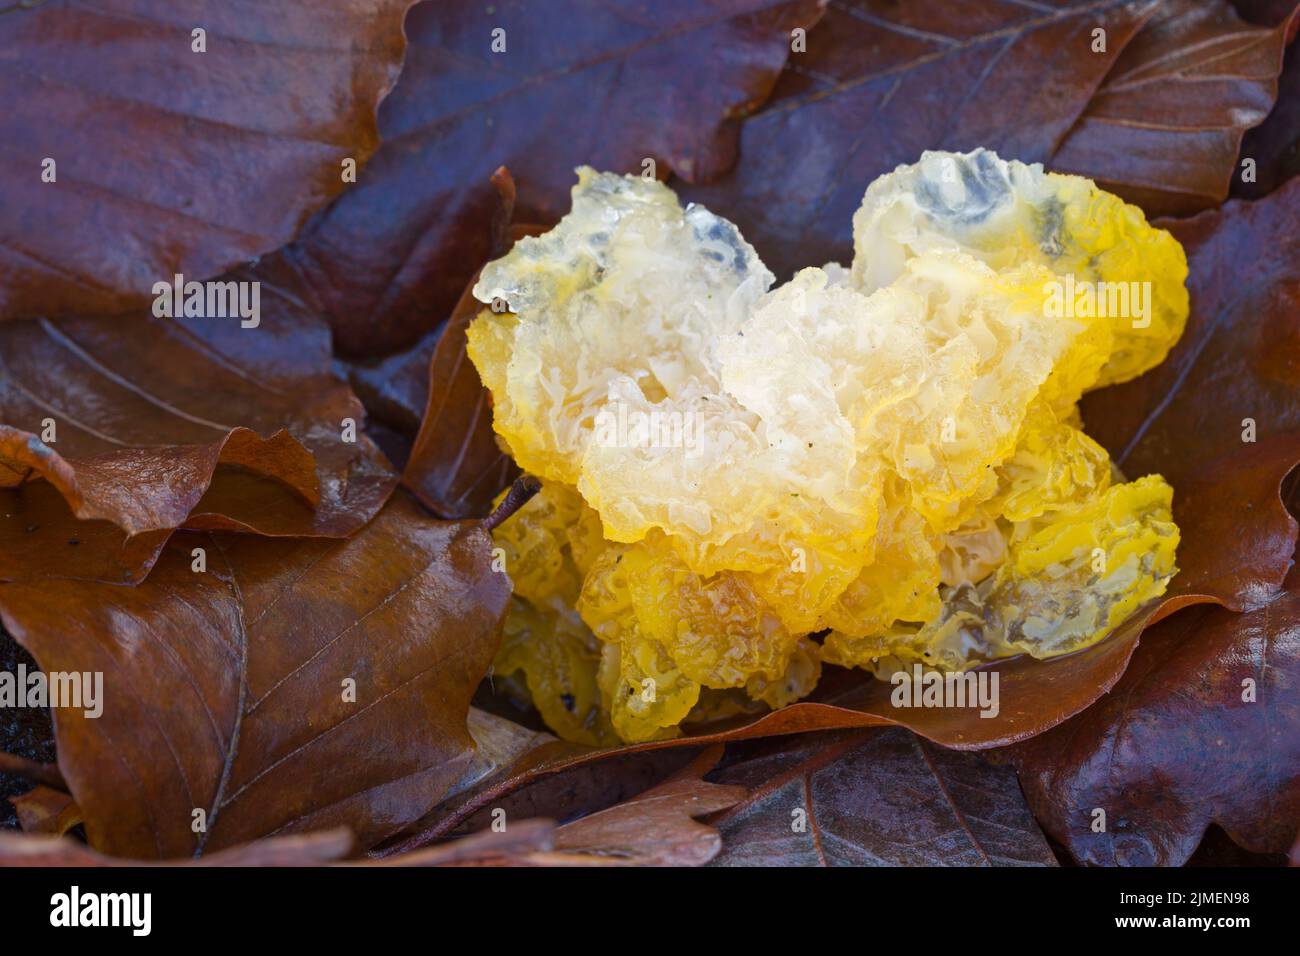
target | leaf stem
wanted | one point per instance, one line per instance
(520, 492)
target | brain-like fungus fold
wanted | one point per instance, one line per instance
(878, 466)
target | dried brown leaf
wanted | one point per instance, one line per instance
(874, 798)
(158, 423)
(1203, 728)
(580, 81)
(881, 82)
(46, 810)
(1234, 375)
(1165, 128)
(170, 160)
(225, 691)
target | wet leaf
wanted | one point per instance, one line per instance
(395, 391)
(161, 426)
(170, 160)
(881, 82)
(579, 81)
(1200, 730)
(1165, 128)
(874, 798)
(227, 691)
(455, 433)
(1235, 375)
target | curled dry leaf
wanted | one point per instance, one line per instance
(254, 692)
(456, 466)
(659, 827)
(882, 82)
(655, 828)
(563, 796)
(874, 798)
(583, 81)
(515, 845)
(1220, 418)
(1165, 128)
(1274, 145)
(46, 810)
(201, 176)
(156, 423)
(1208, 708)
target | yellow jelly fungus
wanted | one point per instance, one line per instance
(874, 467)
(1008, 213)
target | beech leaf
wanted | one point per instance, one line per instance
(540, 87)
(1220, 418)
(171, 158)
(1165, 128)
(658, 827)
(294, 685)
(882, 82)
(1200, 730)
(874, 798)
(456, 465)
(1033, 696)
(160, 427)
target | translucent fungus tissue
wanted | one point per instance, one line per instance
(878, 466)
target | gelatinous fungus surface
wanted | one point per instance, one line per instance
(887, 455)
